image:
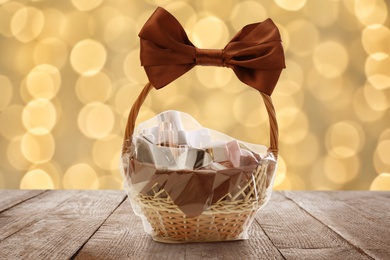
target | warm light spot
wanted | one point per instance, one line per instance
(11, 125)
(36, 179)
(376, 98)
(119, 33)
(209, 33)
(247, 12)
(96, 88)
(6, 92)
(55, 22)
(344, 139)
(341, 170)
(376, 39)
(280, 172)
(247, 109)
(43, 81)
(39, 116)
(88, 57)
(214, 7)
(322, 13)
(383, 150)
(37, 148)
(78, 26)
(325, 89)
(377, 72)
(214, 77)
(27, 24)
(83, 5)
(183, 11)
(291, 5)
(133, 71)
(7, 10)
(96, 120)
(80, 176)
(304, 37)
(53, 169)
(125, 97)
(381, 182)
(363, 110)
(330, 59)
(304, 152)
(51, 51)
(371, 11)
(106, 152)
(15, 156)
(109, 182)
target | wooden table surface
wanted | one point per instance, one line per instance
(59, 224)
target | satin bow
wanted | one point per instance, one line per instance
(255, 53)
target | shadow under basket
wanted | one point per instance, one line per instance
(227, 219)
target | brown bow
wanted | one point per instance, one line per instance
(255, 53)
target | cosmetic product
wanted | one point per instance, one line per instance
(166, 135)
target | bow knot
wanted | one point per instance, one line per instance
(209, 57)
(255, 53)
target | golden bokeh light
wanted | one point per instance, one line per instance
(39, 116)
(86, 5)
(96, 120)
(210, 33)
(51, 51)
(6, 92)
(371, 11)
(105, 152)
(36, 179)
(11, 122)
(37, 148)
(330, 59)
(291, 5)
(376, 39)
(253, 10)
(43, 81)
(341, 170)
(88, 57)
(80, 176)
(363, 109)
(70, 71)
(377, 71)
(15, 156)
(95, 88)
(7, 11)
(344, 139)
(305, 37)
(381, 182)
(27, 23)
(109, 182)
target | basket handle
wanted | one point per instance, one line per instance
(144, 93)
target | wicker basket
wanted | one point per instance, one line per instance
(227, 219)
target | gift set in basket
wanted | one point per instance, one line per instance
(189, 183)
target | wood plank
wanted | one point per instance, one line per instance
(122, 237)
(33, 210)
(10, 198)
(361, 218)
(300, 236)
(63, 229)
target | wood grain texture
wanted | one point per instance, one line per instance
(122, 237)
(300, 236)
(10, 198)
(361, 218)
(61, 222)
(101, 225)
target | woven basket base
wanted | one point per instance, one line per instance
(221, 222)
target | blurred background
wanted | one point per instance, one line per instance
(70, 71)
